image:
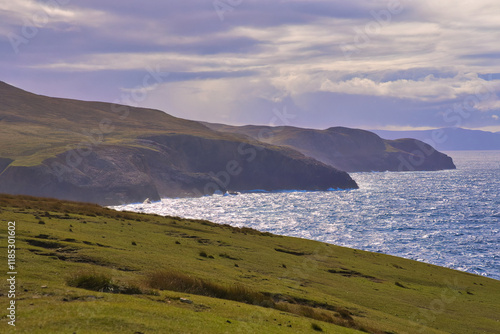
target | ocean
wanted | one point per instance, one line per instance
(448, 218)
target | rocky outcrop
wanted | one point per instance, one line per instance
(240, 166)
(107, 176)
(415, 155)
(170, 166)
(352, 150)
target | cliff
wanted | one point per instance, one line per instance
(352, 150)
(114, 154)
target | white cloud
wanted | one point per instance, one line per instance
(428, 89)
(45, 14)
(290, 56)
(210, 100)
(491, 104)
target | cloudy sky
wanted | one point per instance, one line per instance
(374, 64)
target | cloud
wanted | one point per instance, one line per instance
(429, 88)
(28, 14)
(407, 62)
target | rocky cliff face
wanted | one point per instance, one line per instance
(111, 154)
(352, 150)
(171, 166)
(243, 166)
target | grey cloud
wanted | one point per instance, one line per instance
(490, 76)
(254, 35)
(212, 75)
(493, 55)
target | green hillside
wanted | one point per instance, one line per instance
(114, 154)
(36, 127)
(232, 280)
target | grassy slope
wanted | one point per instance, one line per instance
(426, 298)
(36, 127)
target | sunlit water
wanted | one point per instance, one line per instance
(448, 218)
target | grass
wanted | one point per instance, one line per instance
(244, 287)
(179, 282)
(316, 327)
(102, 282)
(175, 281)
(92, 281)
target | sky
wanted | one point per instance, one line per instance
(372, 64)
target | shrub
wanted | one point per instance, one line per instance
(166, 280)
(308, 312)
(90, 280)
(344, 314)
(130, 290)
(316, 327)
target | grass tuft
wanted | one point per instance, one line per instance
(91, 280)
(174, 281)
(227, 256)
(400, 285)
(94, 281)
(167, 280)
(316, 327)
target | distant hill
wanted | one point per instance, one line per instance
(352, 150)
(113, 154)
(450, 139)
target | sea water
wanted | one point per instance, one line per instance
(449, 218)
